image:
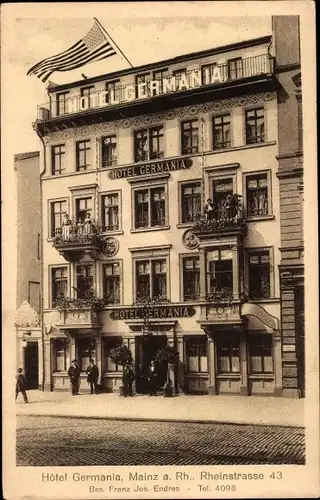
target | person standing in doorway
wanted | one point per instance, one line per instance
(92, 376)
(128, 378)
(153, 379)
(21, 385)
(74, 375)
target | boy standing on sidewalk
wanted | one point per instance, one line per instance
(21, 385)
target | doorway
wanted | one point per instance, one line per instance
(300, 334)
(147, 347)
(31, 364)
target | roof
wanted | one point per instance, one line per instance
(25, 156)
(178, 59)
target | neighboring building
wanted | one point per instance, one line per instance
(29, 344)
(139, 152)
(290, 175)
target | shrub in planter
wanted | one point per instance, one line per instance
(170, 356)
(121, 355)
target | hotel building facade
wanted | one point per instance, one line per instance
(129, 161)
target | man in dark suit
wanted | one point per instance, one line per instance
(128, 378)
(92, 376)
(21, 385)
(153, 379)
(74, 375)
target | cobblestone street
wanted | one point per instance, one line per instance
(51, 441)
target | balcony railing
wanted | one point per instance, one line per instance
(220, 221)
(230, 71)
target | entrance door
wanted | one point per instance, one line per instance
(299, 313)
(31, 363)
(146, 349)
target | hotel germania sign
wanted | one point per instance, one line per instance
(157, 312)
(158, 167)
(146, 90)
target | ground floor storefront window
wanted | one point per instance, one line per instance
(260, 354)
(86, 351)
(228, 353)
(61, 354)
(109, 344)
(197, 359)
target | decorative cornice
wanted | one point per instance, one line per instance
(186, 111)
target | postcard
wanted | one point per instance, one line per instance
(160, 285)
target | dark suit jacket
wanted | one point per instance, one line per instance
(93, 373)
(21, 383)
(74, 373)
(128, 376)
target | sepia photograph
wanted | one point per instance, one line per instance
(158, 184)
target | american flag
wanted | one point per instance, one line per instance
(94, 46)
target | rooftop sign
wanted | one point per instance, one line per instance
(116, 95)
(158, 167)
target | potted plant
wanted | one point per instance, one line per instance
(170, 356)
(121, 355)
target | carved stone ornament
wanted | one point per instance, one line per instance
(110, 246)
(190, 240)
(26, 316)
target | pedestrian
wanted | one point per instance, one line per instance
(128, 378)
(153, 379)
(21, 385)
(93, 375)
(74, 375)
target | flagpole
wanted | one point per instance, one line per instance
(114, 43)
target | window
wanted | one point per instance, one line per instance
(259, 274)
(110, 212)
(114, 91)
(219, 271)
(260, 354)
(191, 201)
(189, 137)
(111, 283)
(178, 74)
(197, 354)
(61, 354)
(109, 344)
(83, 155)
(59, 280)
(84, 281)
(151, 278)
(159, 75)
(86, 351)
(84, 206)
(62, 103)
(221, 131)
(257, 194)
(58, 210)
(191, 278)
(148, 144)
(150, 207)
(58, 159)
(221, 188)
(254, 126)
(87, 93)
(235, 69)
(140, 79)
(109, 151)
(228, 348)
(207, 73)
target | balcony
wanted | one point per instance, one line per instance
(76, 238)
(220, 308)
(226, 80)
(227, 219)
(79, 314)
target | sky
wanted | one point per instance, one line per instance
(145, 34)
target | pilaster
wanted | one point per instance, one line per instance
(243, 364)
(47, 365)
(276, 354)
(211, 366)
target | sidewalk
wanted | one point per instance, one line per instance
(184, 408)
